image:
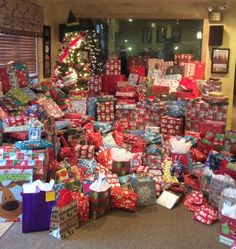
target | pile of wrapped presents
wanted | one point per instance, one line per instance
(154, 139)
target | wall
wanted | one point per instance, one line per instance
(229, 39)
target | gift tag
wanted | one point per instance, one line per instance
(50, 196)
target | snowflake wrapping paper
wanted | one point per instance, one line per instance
(146, 189)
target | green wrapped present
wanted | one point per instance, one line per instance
(18, 95)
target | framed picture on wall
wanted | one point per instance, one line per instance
(220, 60)
(176, 33)
(147, 35)
(161, 33)
(46, 51)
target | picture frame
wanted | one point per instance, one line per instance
(161, 34)
(46, 51)
(220, 60)
(176, 33)
(147, 35)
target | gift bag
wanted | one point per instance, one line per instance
(228, 195)
(218, 184)
(145, 187)
(64, 217)
(10, 191)
(36, 210)
(99, 197)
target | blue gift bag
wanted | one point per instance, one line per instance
(36, 211)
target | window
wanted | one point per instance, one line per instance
(20, 49)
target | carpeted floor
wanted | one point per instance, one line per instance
(151, 227)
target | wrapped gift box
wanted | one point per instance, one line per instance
(84, 151)
(227, 231)
(171, 126)
(113, 67)
(19, 95)
(105, 111)
(95, 84)
(4, 80)
(18, 74)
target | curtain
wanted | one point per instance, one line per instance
(21, 17)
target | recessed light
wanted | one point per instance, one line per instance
(130, 20)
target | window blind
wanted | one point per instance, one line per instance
(19, 49)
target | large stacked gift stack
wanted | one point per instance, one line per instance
(113, 67)
(145, 144)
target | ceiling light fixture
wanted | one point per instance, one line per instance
(215, 13)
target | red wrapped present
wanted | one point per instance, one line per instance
(142, 170)
(104, 158)
(113, 180)
(113, 67)
(171, 126)
(95, 84)
(82, 202)
(84, 151)
(105, 111)
(216, 127)
(206, 214)
(109, 83)
(16, 121)
(4, 80)
(123, 199)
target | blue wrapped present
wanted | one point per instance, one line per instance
(103, 127)
(57, 187)
(176, 108)
(139, 133)
(60, 125)
(90, 165)
(91, 106)
(154, 149)
(30, 93)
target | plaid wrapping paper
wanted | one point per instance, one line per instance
(8, 104)
(64, 220)
(171, 126)
(19, 95)
(99, 203)
(95, 84)
(90, 165)
(113, 180)
(57, 187)
(84, 151)
(145, 187)
(60, 125)
(109, 146)
(139, 133)
(105, 111)
(82, 204)
(120, 168)
(30, 93)
(123, 199)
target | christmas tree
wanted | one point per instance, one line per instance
(93, 45)
(72, 68)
